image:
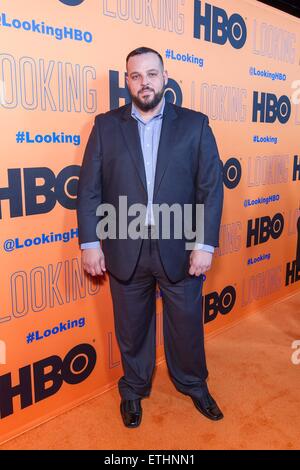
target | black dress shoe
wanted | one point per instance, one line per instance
(208, 407)
(131, 412)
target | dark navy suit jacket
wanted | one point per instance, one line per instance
(188, 171)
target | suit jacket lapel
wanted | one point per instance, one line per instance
(168, 134)
(131, 135)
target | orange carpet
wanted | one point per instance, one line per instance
(251, 376)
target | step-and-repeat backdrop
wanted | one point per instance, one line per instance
(61, 63)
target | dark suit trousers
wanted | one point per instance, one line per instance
(134, 303)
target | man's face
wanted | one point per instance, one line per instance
(146, 80)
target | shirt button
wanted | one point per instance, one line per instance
(148, 145)
(149, 183)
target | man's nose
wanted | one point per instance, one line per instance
(145, 80)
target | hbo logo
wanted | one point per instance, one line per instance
(72, 3)
(271, 108)
(222, 303)
(24, 189)
(218, 28)
(264, 228)
(44, 378)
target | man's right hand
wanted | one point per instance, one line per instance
(93, 261)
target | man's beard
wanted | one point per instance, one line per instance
(150, 104)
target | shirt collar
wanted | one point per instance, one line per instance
(136, 114)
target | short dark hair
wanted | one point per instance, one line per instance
(144, 50)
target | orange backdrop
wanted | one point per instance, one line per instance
(62, 62)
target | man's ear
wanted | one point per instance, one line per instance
(166, 77)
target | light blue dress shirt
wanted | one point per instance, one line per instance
(149, 132)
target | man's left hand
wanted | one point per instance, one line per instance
(200, 262)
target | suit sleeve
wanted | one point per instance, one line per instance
(89, 194)
(209, 189)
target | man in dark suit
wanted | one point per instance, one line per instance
(154, 153)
